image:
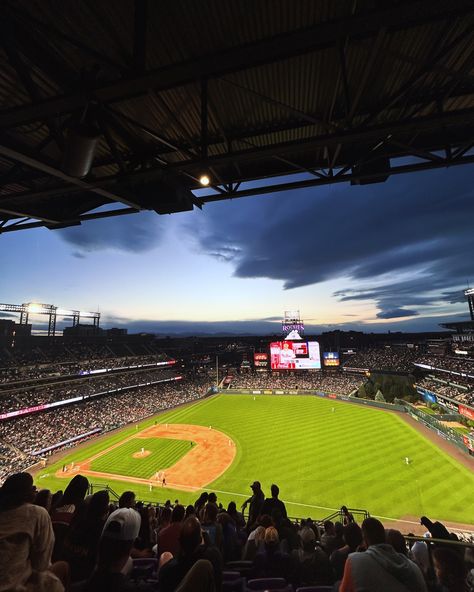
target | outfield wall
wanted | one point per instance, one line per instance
(368, 402)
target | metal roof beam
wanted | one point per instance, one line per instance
(34, 163)
(271, 50)
(351, 136)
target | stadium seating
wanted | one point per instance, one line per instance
(99, 540)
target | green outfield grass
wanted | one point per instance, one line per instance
(120, 460)
(320, 458)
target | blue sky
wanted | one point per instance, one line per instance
(388, 256)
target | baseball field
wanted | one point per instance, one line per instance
(322, 453)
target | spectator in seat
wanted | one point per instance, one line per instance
(271, 562)
(114, 562)
(255, 503)
(352, 536)
(328, 538)
(380, 567)
(82, 538)
(73, 497)
(62, 516)
(192, 549)
(273, 503)
(211, 527)
(127, 500)
(44, 498)
(237, 516)
(168, 538)
(26, 540)
(310, 563)
(450, 570)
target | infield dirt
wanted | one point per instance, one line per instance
(212, 454)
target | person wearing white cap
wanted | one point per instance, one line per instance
(114, 562)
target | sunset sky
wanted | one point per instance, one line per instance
(392, 256)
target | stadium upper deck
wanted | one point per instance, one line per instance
(145, 103)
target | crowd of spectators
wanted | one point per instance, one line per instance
(19, 372)
(460, 392)
(38, 431)
(399, 359)
(461, 365)
(331, 383)
(40, 394)
(86, 543)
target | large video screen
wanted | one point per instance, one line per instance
(331, 358)
(295, 355)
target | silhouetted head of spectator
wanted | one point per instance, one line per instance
(271, 539)
(210, 513)
(212, 498)
(397, 540)
(190, 511)
(344, 510)
(265, 521)
(18, 489)
(275, 490)
(190, 536)
(165, 516)
(43, 498)
(119, 533)
(98, 506)
(178, 513)
(352, 535)
(76, 491)
(232, 508)
(127, 500)
(373, 532)
(329, 527)
(308, 538)
(449, 568)
(56, 500)
(256, 487)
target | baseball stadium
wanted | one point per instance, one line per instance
(169, 422)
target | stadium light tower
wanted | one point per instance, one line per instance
(469, 294)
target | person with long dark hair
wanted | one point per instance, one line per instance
(26, 539)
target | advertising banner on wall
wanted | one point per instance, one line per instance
(466, 411)
(260, 360)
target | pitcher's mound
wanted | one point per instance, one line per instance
(141, 454)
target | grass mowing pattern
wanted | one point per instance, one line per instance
(164, 453)
(320, 459)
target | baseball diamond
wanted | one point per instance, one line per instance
(320, 456)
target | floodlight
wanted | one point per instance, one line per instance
(204, 180)
(34, 307)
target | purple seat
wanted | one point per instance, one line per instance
(236, 585)
(266, 584)
(228, 576)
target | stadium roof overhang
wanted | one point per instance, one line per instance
(460, 326)
(258, 100)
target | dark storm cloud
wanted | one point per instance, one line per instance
(396, 313)
(135, 233)
(418, 225)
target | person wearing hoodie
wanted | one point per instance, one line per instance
(380, 567)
